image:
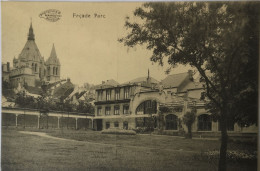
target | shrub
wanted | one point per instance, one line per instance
(143, 130)
(232, 155)
(118, 131)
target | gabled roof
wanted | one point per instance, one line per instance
(63, 90)
(174, 80)
(192, 85)
(141, 80)
(107, 84)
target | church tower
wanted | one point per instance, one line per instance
(53, 66)
(29, 67)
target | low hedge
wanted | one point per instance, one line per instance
(118, 131)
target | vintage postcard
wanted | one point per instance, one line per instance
(129, 85)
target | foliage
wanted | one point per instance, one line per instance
(142, 130)
(118, 131)
(25, 101)
(85, 108)
(6, 85)
(218, 39)
(232, 155)
(161, 121)
(188, 120)
(46, 105)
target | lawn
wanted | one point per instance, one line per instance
(90, 150)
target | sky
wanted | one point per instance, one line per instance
(87, 48)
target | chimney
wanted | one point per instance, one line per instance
(8, 66)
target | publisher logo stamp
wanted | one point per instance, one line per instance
(51, 15)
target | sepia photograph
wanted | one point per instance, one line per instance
(130, 86)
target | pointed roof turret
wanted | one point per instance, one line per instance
(53, 59)
(53, 52)
(31, 34)
(30, 50)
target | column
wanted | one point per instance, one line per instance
(16, 120)
(39, 121)
(76, 123)
(58, 122)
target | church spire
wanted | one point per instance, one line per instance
(53, 52)
(31, 34)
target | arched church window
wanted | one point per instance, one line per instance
(204, 122)
(53, 71)
(171, 122)
(35, 68)
(56, 70)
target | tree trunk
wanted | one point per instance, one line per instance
(189, 132)
(224, 138)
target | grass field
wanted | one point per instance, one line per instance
(89, 150)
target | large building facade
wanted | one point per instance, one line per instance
(137, 103)
(30, 68)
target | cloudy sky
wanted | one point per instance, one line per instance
(87, 48)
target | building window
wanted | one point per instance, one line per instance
(116, 124)
(148, 103)
(125, 125)
(204, 122)
(147, 107)
(116, 108)
(126, 92)
(108, 94)
(107, 125)
(99, 111)
(53, 69)
(100, 92)
(117, 92)
(126, 109)
(171, 122)
(107, 110)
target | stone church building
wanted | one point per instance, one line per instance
(30, 68)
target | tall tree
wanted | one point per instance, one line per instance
(220, 40)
